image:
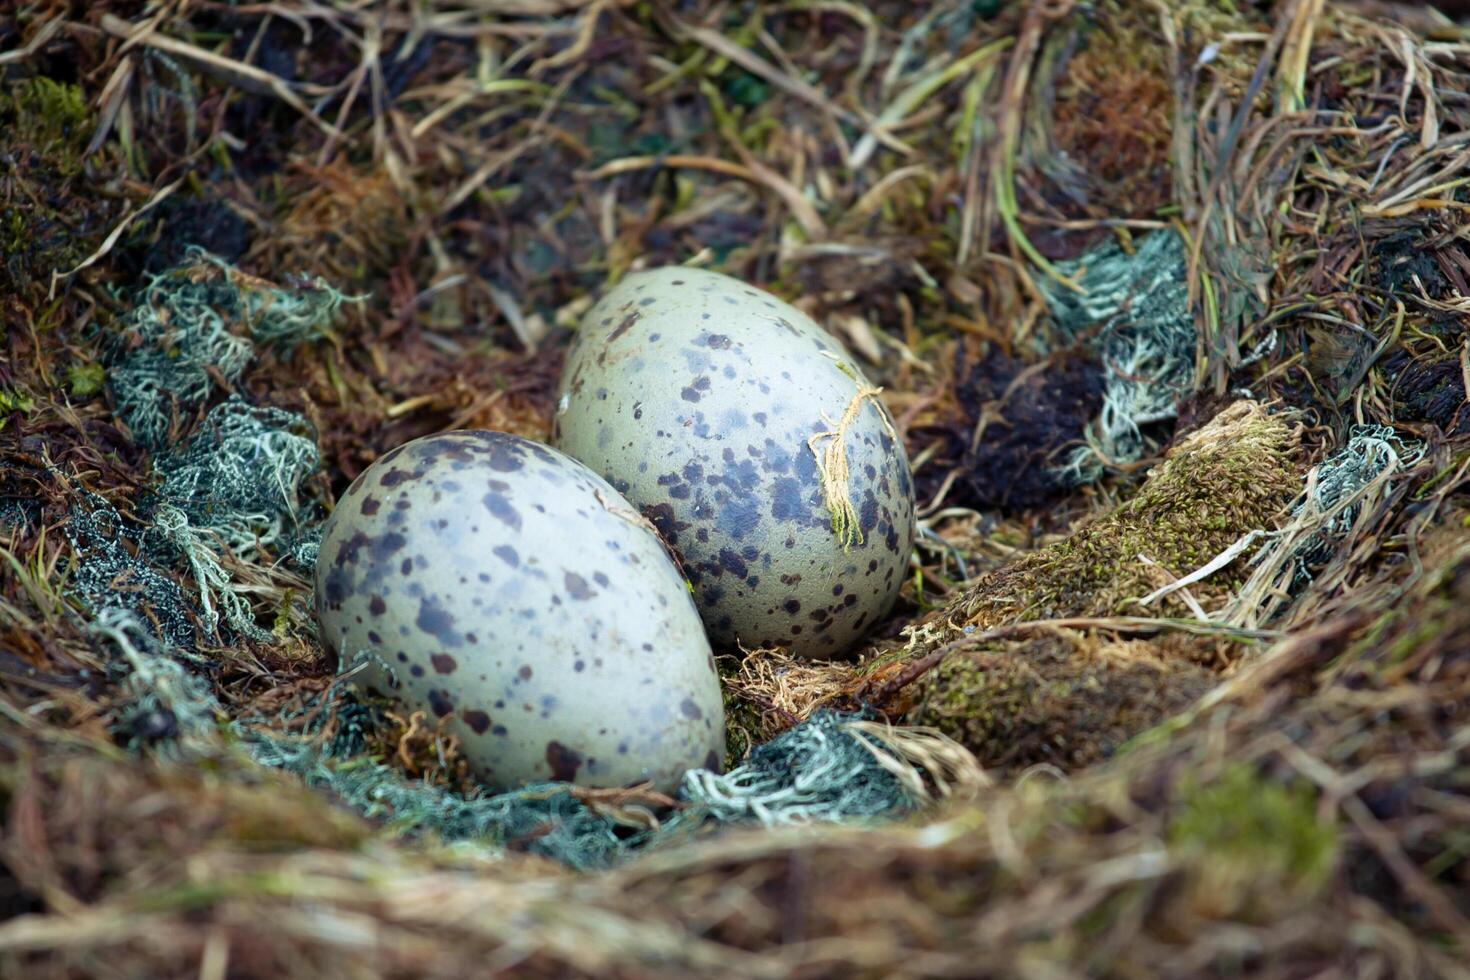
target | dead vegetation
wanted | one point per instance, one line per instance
(1221, 691)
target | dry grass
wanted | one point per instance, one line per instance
(1247, 774)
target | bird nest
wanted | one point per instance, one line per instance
(1167, 300)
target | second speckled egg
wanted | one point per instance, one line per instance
(698, 397)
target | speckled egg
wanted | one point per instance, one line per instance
(716, 408)
(509, 590)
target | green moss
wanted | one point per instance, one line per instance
(742, 718)
(15, 401)
(85, 380)
(51, 118)
(1019, 704)
(1252, 841)
(1231, 477)
(48, 222)
(1050, 700)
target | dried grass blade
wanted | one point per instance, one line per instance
(237, 73)
(158, 197)
(38, 41)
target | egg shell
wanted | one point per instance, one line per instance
(506, 588)
(696, 395)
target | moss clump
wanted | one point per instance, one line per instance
(1053, 700)
(1230, 477)
(1113, 113)
(52, 119)
(85, 380)
(1072, 703)
(46, 223)
(1253, 843)
(15, 401)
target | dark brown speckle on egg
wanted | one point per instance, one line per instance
(717, 453)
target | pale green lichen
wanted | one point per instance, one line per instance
(201, 320)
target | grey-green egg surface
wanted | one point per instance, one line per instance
(509, 590)
(696, 395)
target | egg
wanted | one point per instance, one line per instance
(746, 434)
(505, 589)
